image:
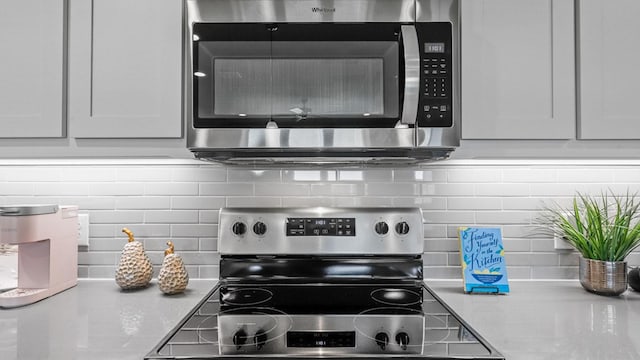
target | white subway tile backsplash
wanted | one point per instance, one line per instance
(182, 202)
(337, 190)
(171, 189)
(197, 202)
(470, 203)
(32, 174)
(180, 244)
(223, 189)
(251, 175)
(144, 173)
(279, 189)
(143, 202)
(141, 231)
(102, 272)
(171, 217)
(317, 201)
(208, 216)
(529, 175)
(503, 217)
(475, 175)
(309, 175)
(186, 230)
(17, 189)
(434, 231)
(448, 189)
(419, 175)
(627, 175)
(252, 201)
(392, 189)
(367, 175)
(116, 189)
(88, 174)
(199, 174)
(448, 217)
(116, 217)
(554, 272)
(61, 189)
(502, 190)
(208, 243)
(522, 203)
(516, 245)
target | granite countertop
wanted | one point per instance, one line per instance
(537, 320)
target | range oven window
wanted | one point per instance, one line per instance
(298, 75)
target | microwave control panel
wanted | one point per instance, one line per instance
(435, 108)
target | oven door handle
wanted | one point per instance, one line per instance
(411, 74)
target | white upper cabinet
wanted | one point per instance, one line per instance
(32, 86)
(125, 66)
(518, 69)
(609, 69)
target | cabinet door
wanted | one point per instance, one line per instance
(125, 64)
(32, 84)
(609, 57)
(518, 69)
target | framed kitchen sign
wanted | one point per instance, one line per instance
(484, 269)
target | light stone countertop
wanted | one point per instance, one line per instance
(537, 320)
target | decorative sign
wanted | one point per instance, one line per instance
(482, 256)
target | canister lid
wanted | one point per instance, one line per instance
(23, 210)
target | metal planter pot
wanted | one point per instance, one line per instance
(603, 277)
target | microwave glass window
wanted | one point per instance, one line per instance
(298, 87)
(298, 79)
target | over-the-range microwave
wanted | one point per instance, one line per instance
(317, 81)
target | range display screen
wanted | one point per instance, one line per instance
(434, 48)
(321, 227)
(321, 339)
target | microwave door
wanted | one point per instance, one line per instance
(411, 74)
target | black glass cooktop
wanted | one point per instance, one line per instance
(320, 321)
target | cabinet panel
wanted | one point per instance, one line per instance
(32, 34)
(518, 69)
(608, 69)
(125, 68)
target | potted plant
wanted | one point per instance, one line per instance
(604, 230)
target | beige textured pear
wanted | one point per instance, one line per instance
(134, 270)
(173, 277)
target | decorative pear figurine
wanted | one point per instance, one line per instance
(134, 270)
(173, 277)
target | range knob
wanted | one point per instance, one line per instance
(260, 339)
(382, 340)
(239, 228)
(402, 338)
(402, 228)
(239, 338)
(381, 228)
(260, 228)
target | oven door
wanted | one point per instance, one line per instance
(304, 75)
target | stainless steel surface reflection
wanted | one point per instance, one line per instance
(211, 332)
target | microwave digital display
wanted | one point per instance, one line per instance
(434, 48)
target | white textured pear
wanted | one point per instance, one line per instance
(134, 270)
(173, 277)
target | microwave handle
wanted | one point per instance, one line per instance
(411, 74)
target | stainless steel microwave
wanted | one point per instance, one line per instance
(314, 81)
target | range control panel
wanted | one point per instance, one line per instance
(436, 78)
(320, 230)
(321, 227)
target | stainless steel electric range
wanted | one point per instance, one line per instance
(322, 283)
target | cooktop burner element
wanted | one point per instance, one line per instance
(322, 283)
(246, 296)
(396, 296)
